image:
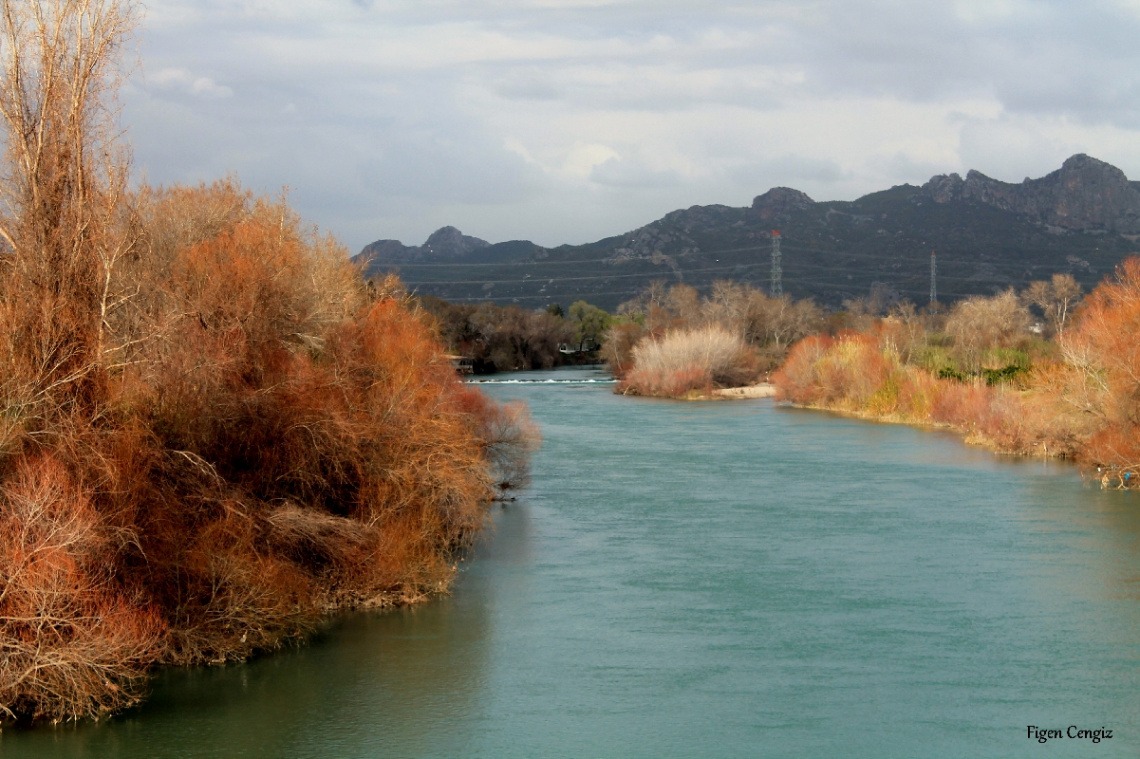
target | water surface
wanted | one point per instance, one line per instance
(713, 579)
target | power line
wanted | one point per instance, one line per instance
(737, 270)
(802, 283)
(722, 251)
(728, 268)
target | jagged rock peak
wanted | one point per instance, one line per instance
(385, 250)
(1084, 163)
(944, 188)
(449, 241)
(780, 201)
(444, 244)
(1085, 193)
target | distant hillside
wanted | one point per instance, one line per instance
(988, 235)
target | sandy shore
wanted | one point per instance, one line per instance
(763, 390)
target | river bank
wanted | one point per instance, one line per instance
(760, 390)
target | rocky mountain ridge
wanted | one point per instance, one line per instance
(1083, 194)
(988, 234)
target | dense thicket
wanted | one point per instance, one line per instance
(211, 432)
(257, 442)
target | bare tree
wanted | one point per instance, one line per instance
(652, 297)
(904, 332)
(72, 644)
(779, 322)
(63, 189)
(1057, 299)
(979, 324)
(685, 303)
(727, 305)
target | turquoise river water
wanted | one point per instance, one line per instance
(728, 579)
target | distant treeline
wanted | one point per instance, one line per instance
(508, 338)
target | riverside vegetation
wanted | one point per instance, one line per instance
(212, 432)
(1071, 391)
(1041, 372)
(670, 342)
(509, 338)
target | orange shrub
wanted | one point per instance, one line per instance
(210, 431)
(667, 383)
(74, 645)
(1105, 365)
(848, 371)
(918, 393)
(857, 372)
(796, 379)
(267, 442)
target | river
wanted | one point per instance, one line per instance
(728, 579)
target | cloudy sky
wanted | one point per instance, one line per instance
(571, 120)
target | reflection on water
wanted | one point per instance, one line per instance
(714, 579)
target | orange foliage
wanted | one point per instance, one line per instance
(268, 442)
(210, 431)
(667, 383)
(846, 371)
(861, 373)
(1105, 374)
(795, 380)
(72, 642)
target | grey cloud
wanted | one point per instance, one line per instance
(183, 80)
(787, 170)
(1056, 58)
(435, 167)
(1084, 95)
(619, 173)
(901, 168)
(369, 139)
(527, 83)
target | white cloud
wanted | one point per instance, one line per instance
(183, 80)
(630, 174)
(582, 159)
